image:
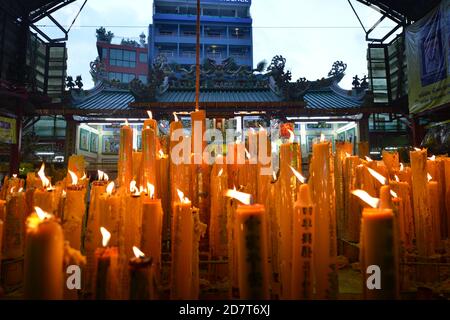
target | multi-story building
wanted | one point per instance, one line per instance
(124, 61)
(226, 31)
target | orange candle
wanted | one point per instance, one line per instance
(290, 156)
(302, 248)
(44, 257)
(152, 216)
(405, 214)
(125, 164)
(379, 249)
(352, 208)
(74, 211)
(325, 245)
(198, 123)
(107, 270)
(148, 156)
(422, 214)
(392, 162)
(363, 149)
(182, 249)
(447, 191)
(141, 276)
(433, 196)
(13, 238)
(218, 240)
(252, 252)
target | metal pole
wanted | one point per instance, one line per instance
(197, 61)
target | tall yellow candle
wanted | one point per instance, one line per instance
(13, 238)
(433, 196)
(152, 218)
(182, 249)
(148, 156)
(252, 252)
(44, 257)
(352, 208)
(106, 267)
(74, 211)
(302, 248)
(290, 156)
(422, 214)
(379, 249)
(325, 246)
(125, 164)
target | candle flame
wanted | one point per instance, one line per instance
(261, 128)
(364, 196)
(220, 173)
(106, 236)
(274, 175)
(14, 176)
(133, 188)
(429, 177)
(12, 189)
(394, 194)
(291, 136)
(64, 193)
(368, 159)
(417, 149)
(432, 158)
(150, 114)
(84, 177)
(183, 199)
(377, 176)
(245, 198)
(74, 178)
(298, 175)
(100, 175)
(151, 190)
(110, 188)
(247, 154)
(322, 137)
(126, 123)
(41, 173)
(402, 167)
(20, 189)
(347, 155)
(105, 177)
(161, 153)
(138, 253)
(397, 178)
(175, 117)
(41, 213)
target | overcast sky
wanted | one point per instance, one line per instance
(310, 34)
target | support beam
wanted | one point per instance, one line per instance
(71, 138)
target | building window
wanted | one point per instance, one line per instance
(143, 79)
(123, 58)
(122, 77)
(143, 58)
(104, 53)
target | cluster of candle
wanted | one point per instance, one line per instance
(278, 234)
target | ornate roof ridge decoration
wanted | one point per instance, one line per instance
(226, 76)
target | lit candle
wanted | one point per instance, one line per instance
(198, 121)
(422, 214)
(163, 189)
(141, 276)
(363, 149)
(436, 168)
(44, 257)
(325, 245)
(302, 245)
(218, 240)
(405, 213)
(137, 167)
(74, 210)
(92, 238)
(378, 246)
(343, 150)
(125, 164)
(152, 215)
(132, 219)
(182, 249)
(150, 122)
(253, 269)
(107, 269)
(290, 156)
(148, 156)
(232, 248)
(433, 196)
(45, 197)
